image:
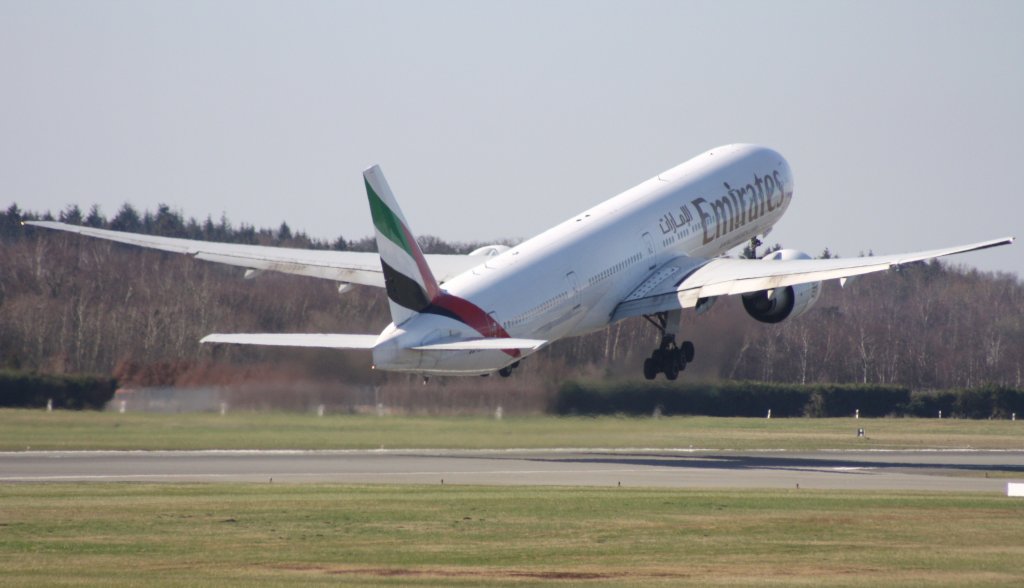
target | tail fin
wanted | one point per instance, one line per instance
(410, 284)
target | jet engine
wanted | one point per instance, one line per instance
(490, 250)
(774, 306)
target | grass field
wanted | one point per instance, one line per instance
(71, 430)
(238, 534)
(123, 534)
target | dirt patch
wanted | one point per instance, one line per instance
(451, 573)
(495, 574)
(482, 573)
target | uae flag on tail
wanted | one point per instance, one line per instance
(410, 284)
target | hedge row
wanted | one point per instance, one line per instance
(29, 390)
(754, 399)
(987, 402)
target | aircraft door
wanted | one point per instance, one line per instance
(649, 247)
(574, 289)
(492, 330)
(648, 243)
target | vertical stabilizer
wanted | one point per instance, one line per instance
(410, 284)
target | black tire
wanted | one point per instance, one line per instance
(505, 372)
(650, 369)
(672, 370)
(687, 351)
(680, 360)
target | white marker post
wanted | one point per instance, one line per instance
(223, 408)
(498, 413)
(124, 405)
(320, 410)
(49, 405)
(769, 414)
(856, 414)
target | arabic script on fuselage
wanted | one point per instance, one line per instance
(740, 205)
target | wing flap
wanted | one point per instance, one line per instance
(325, 340)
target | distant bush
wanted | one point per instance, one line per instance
(986, 402)
(754, 399)
(871, 400)
(989, 402)
(705, 398)
(76, 391)
(929, 403)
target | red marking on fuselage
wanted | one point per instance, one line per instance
(471, 315)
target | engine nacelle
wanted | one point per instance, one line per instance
(774, 306)
(490, 250)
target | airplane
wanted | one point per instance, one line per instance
(654, 250)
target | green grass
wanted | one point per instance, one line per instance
(37, 429)
(237, 534)
(278, 534)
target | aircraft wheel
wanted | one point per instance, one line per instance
(505, 372)
(650, 368)
(671, 369)
(687, 351)
(680, 358)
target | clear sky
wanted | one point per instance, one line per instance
(903, 121)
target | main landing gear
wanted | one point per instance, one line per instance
(668, 358)
(507, 370)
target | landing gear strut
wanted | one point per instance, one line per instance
(668, 358)
(750, 251)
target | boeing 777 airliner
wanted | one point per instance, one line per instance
(653, 251)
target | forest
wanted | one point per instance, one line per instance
(70, 304)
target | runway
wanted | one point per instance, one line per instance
(981, 471)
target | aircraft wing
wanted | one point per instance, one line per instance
(341, 266)
(345, 341)
(684, 281)
(328, 340)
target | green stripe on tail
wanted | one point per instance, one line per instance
(386, 221)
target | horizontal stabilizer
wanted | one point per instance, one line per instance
(497, 343)
(328, 340)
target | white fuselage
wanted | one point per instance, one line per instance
(568, 280)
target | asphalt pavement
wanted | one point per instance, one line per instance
(982, 471)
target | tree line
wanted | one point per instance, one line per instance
(166, 222)
(73, 304)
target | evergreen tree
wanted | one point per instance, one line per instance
(71, 215)
(94, 218)
(127, 219)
